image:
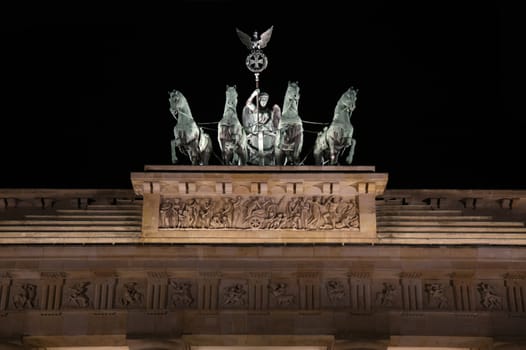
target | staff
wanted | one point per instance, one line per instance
(256, 62)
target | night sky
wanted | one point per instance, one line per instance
(85, 94)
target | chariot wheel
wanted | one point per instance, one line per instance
(255, 222)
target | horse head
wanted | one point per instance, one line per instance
(231, 95)
(230, 102)
(178, 104)
(348, 100)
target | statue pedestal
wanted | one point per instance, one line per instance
(259, 204)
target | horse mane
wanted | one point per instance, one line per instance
(292, 88)
(350, 95)
(346, 101)
(230, 102)
(179, 104)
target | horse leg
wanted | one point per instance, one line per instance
(317, 157)
(317, 152)
(333, 153)
(297, 150)
(224, 151)
(174, 154)
(279, 156)
(193, 152)
(207, 151)
(350, 156)
(241, 153)
(334, 141)
(205, 157)
(278, 151)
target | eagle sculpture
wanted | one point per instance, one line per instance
(256, 42)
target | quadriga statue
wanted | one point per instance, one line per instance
(261, 126)
(190, 139)
(290, 128)
(230, 133)
(335, 139)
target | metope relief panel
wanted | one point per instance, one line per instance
(438, 295)
(25, 295)
(260, 212)
(233, 294)
(78, 294)
(182, 294)
(131, 294)
(387, 294)
(335, 293)
(283, 294)
(490, 295)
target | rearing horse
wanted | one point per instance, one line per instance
(230, 133)
(332, 141)
(190, 139)
(290, 140)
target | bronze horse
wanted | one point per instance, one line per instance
(230, 133)
(190, 139)
(332, 141)
(290, 140)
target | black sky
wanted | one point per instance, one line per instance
(84, 94)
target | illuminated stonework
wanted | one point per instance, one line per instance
(265, 213)
(259, 204)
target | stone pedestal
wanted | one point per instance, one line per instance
(253, 204)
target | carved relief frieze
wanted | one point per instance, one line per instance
(436, 295)
(282, 294)
(234, 295)
(260, 212)
(261, 291)
(25, 295)
(182, 293)
(336, 291)
(387, 295)
(488, 296)
(131, 294)
(78, 294)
